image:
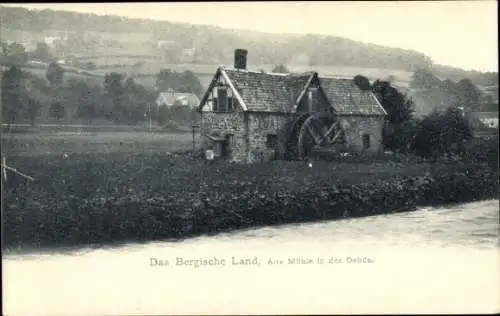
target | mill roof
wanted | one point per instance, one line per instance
(271, 92)
(347, 98)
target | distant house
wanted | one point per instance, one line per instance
(489, 119)
(171, 98)
(489, 95)
(51, 40)
(60, 34)
(249, 116)
(187, 54)
(165, 44)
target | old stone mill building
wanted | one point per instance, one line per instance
(249, 116)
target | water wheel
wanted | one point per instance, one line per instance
(291, 134)
(318, 131)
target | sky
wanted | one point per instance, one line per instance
(457, 33)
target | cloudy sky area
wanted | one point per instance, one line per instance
(457, 33)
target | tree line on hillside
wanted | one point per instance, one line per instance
(445, 93)
(13, 53)
(488, 78)
(120, 100)
(216, 44)
(442, 132)
(16, 54)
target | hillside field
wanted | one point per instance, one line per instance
(146, 73)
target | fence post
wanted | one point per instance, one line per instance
(194, 126)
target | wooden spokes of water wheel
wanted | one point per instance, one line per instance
(318, 131)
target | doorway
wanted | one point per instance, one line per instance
(225, 147)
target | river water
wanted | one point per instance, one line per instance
(434, 260)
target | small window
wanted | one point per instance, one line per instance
(214, 104)
(366, 141)
(271, 141)
(230, 139)
(224, 100)
(313, 99)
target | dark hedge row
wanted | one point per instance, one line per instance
(97, 198)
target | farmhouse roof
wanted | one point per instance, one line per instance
(170, 97)
(347, 98)
(272, 92)
(268, 92)
(487, 115)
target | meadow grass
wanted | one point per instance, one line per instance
(72, 141)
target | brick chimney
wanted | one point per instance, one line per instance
(240, 59)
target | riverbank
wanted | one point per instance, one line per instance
(96, 198)
(408, 250)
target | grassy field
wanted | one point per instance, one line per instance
(92, 80)
(94, 188)
(77, 141)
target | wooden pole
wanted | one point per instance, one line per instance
(193, 137)
(193, 131)
(149, 110)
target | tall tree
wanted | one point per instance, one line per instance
(362, 82)
(14, 54)
(400, 109)
(85, 101)
(424, 79)
(163, 114)
(42, 52)
(456, 129)
(442, 132)
(32, 110)
(57, 110)
(189, 83)
(469, 95)
(186, 82)
(12, 94)
(55, 73)
(113, 86)
(137, 100)
(281, 68)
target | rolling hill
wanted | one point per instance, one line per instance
(101, 35)
(99, 38)
(132, 47)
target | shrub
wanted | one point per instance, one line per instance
(55, 73)
(57, 110)
(362, 82)
(442, 133)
